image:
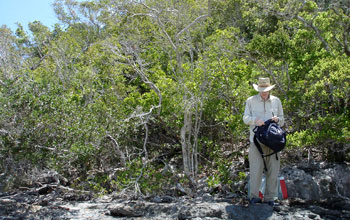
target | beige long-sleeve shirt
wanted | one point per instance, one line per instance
(256, 108)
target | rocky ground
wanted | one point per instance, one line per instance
(317, 193)
(52, 206)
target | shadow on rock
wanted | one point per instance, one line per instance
(258, 211)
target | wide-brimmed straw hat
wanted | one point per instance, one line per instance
(263, 85)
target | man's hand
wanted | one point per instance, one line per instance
(259, 122)
(275, 119)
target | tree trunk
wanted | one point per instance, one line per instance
(186, 142)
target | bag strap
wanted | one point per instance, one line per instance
(257, 144)
(260, 150)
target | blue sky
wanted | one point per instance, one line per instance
(25, 11)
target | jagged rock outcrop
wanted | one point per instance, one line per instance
(317, 182)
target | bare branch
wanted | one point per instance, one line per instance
(49, 148)
(166, 33)
(117, 148)
(133, 59)
(149, 8)
(141, 115)
(317, 32)
(191, 24)
(143, 14)
(138, 66)
(38, 64)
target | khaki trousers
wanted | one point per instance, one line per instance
(256, 167)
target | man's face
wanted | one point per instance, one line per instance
(264, 95)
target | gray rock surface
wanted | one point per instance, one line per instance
(316, 192)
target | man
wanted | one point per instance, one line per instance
(258, 109)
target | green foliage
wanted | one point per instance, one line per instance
(64, 91)
(150, 179)
(222, 176)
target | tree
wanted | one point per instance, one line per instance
(175, 27)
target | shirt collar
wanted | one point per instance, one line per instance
(261, 100)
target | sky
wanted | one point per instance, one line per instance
(25, 11)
